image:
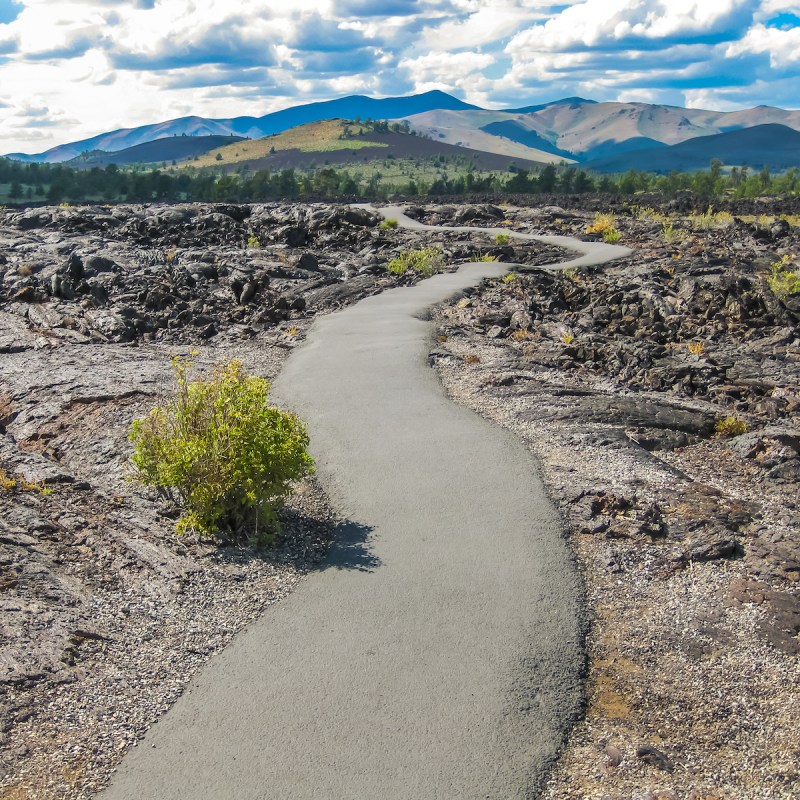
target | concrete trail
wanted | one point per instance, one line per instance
(438, 653)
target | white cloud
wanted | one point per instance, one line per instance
(613, 23)
(99, 64)
(782, 46)
(487, 22)
(446, 67)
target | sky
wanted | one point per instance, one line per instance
(70, 69)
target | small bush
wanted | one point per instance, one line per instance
(7, 483)
(605, 225)
(426, 261)
(696, 348)
(671, 234)
(253, 241)
(228, 456)
(785, 277)
(10, 484)
(648, 214)
(710, 220)
(730, 426)
(486, 257)
(602, 223)
(510, 278)
(388, 224)
(723, 219)
(502, 239)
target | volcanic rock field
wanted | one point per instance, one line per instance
(660, 394)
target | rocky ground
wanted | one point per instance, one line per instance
(628, 381)
(106, 613)
(662, 396)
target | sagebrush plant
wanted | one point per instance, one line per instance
(228, 456)
(426, 261)
(709, 220)
(10, 484)
(671, 234)
(730, 427)
(388, 224)
(784, 278)
(7, 483)
(502, 239)
(253, 241)
(648, 213)
(605, 225)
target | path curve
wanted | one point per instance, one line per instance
(441, 658)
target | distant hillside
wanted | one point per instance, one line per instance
(775, 146)
(572, 129)
(511, 129)
(313, 137)
(562, 102)
(341, 142)
(252, 127)
(172, 148)
(586, 130)
(468, 129)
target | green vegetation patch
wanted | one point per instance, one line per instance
(605, 225)
(730, 427)
(227, 456)
(785, 277)
(426, 261)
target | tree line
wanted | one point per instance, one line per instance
(56, 183)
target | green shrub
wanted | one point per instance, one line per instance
(710, 220)
(671, 234)
(604, 224)
(502, 239)
(388, 224)
(228, 456)
(785, 277)
(253, 241)
(426, 261)
(730, 426)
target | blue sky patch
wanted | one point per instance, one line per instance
(785, 21)
(9, 11)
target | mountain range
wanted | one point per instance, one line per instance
(252, 127)
(608, 136)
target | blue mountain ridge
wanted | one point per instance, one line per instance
(254, 127)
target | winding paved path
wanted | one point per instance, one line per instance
(439, 656)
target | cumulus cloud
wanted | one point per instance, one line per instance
(85, 66)
(317, 34)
